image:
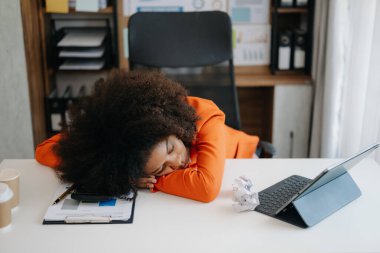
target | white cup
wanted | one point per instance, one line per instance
(6, 195)
(11, 177)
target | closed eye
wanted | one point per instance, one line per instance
(169, 151)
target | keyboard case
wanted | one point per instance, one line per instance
(311, 208)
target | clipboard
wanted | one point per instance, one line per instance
(71, 211)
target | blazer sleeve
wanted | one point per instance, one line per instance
(201, 181)
(45, 154)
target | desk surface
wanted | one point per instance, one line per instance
(166, 223)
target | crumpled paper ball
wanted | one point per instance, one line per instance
(244, 196)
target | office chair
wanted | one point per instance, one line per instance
(193, 48)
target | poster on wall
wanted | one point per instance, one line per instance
(133, 6)
(206, 5)
(251, 44)
(249, 11)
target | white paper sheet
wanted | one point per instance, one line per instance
(249, 11)
(82, 38)
(82, 52)
(82, 65)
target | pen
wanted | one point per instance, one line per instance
(63, 195)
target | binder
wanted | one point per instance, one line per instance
(284, 50)
(56, 107)
(301, 3)
(286, 3)
(311, 208)
(299, 49)
(72, 100)
(70, 211)
(57, 6)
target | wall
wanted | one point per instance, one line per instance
(16, 139)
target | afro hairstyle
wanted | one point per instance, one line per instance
(112, 132)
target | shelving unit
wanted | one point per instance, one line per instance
(290, 10)
(255, 80)
(256, 84)
(290, 20)
(55, 102)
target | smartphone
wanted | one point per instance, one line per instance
(89, 197)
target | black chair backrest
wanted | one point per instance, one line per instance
(193, 48)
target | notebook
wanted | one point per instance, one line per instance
(280, 200)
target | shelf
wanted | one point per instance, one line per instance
(256, 70)
(261, 76)
(268, 80)
(107, 10)
(291, 10)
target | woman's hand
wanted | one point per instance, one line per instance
(147, 182)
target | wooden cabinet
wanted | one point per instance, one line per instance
(291, 120)
(257, 95)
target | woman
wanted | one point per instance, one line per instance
(141, 129)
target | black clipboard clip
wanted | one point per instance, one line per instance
(87, 219)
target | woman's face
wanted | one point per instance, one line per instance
(167, 156)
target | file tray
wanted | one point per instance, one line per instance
(82, 48)
(57, 107)
(312, 207)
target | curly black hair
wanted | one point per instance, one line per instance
(112, 132)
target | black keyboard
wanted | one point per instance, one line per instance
(275, 196)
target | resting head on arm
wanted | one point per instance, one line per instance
(132, 127)
(166, 157)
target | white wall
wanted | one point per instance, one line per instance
(16, 138)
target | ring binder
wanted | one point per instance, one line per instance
(284, 50)
(299, 49)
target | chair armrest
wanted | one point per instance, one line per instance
(265, 150)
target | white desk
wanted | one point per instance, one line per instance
(165, 223)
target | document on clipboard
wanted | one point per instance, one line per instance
(71, 211)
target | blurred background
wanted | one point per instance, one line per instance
(307, 72)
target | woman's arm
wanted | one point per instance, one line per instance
(45, 154)
(201, 181)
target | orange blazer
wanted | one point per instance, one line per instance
(214, 143)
